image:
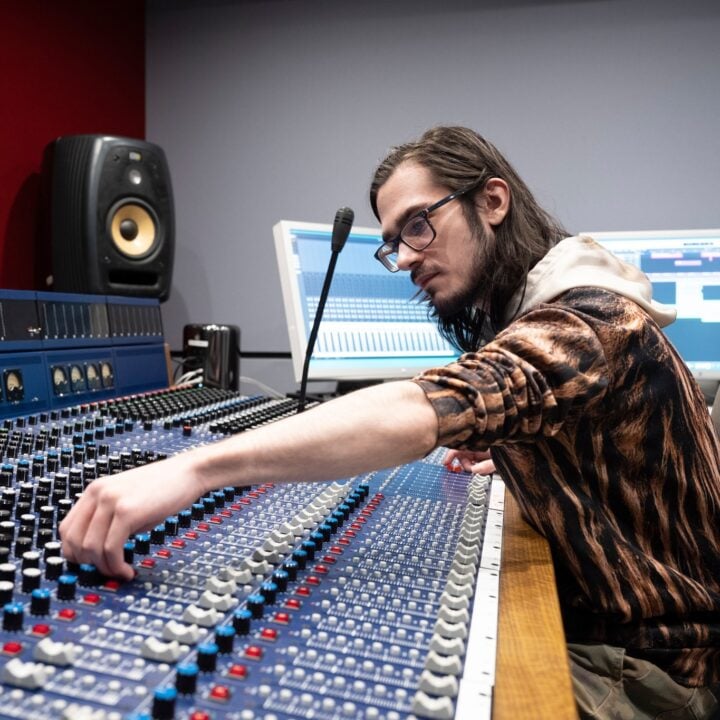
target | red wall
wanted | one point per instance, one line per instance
(66, 67)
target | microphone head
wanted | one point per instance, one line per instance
(341, 228)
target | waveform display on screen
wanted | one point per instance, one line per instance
(374, 325)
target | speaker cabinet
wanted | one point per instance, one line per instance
(111, 216)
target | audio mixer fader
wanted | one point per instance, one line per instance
(346, 599)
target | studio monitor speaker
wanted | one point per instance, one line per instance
(111, 218)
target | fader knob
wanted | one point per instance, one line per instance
(255, 604)
(66, 586)
(224, 638)
(186, 678)
(54, 568)
(142, 544)
(310, 546)
(163, 707)
(241, 621)
(157, 535)
(280, 578)
(207, 656)
(7, 572)
(291, 567)
(7, 589)
(89, 575)
(31, 579)
(40, 602)
(269, 590)
(300, 558)
(13, 614)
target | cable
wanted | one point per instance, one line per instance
(193, 375)
(262, 386)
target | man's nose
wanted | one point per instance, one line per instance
(407, 258)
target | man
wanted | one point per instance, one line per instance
(591, 418)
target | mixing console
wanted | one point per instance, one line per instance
(347, 599)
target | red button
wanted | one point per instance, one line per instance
(329, 559)
(178, 543)
(303, 591)
(245, 501)
(191, 535)
(220, 693)
(203, 527)
(293, 604)
(344, 541)
(12, 648)
(350, 534)
(281, 617)
(253, 652)
(335, 550)
(147, 563)
(112, 585)
(239, 672)
(41, 630)
(225, 513)
(269, 634)
(67, 614)
(199, 715)
(314, 580)
(163, 553)
(236, 506)
(91, 599)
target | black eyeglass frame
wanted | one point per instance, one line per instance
(391, 247)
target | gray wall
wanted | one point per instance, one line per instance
(280, 109)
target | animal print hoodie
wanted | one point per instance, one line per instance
(605, 441)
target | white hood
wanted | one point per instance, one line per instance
(581, 262)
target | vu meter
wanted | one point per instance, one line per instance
(92, 374)
(107, 374)
(77, 378)
(13, 383)
(60, 381)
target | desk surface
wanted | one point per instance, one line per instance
(532, 680)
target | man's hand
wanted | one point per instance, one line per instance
(478, 462)
(113, 508)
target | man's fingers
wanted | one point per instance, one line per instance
(113, 562)
(74, 526)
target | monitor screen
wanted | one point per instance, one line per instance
(684, 268)
(371, 329)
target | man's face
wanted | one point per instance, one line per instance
(447, 271)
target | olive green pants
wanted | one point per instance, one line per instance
(610, 685)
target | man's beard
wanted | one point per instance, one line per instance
(470, 295)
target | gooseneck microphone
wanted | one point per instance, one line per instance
(341, 229)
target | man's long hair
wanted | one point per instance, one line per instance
(457, 158)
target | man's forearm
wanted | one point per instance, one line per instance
(380, 426)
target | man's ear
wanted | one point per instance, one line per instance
(495, 200)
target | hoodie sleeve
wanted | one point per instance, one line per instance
(545, 368)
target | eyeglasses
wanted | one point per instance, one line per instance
(417, 233)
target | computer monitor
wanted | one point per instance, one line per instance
(372, 329)
(684, 269)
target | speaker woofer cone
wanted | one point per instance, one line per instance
(133, 228)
